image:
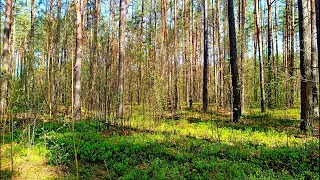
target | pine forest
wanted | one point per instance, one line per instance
(159, 89)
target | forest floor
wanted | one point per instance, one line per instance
(186, 145)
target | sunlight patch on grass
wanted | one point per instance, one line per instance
(218, 131)
(32, 168)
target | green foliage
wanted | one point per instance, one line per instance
(200, 149)
(6, 174)
(158, 156)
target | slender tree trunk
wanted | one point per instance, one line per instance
(185, 45)
(30, 56)
(77, 62)
(155, 37)
(215, 82)
(1, 41)
(49, 58)
(6, 60)
(255, 89)
(318, 33)
(221, 102)
(269, 86)
(122, 53)
(234, 64)
(96, 43)
(314, 58)
(242, 51)
(277, 53)
(55, 88)
(140, 54)
(175, 56)
(191, 35)
(291, 55)
(169, 60)
(107, 84)
(31, 40)
(305, 66)
(285, 48)
(260, 55)
(205, 57)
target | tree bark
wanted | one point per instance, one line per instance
(277, 54)
(291, 55)
(242, 51)
(318, 33)
(192, 55)
(221, 101)
(175, 57)
(305, 66)
(215, 64)
(205, 57)
(314, 58)
(140, 54)
(77, 62)
(255, 88)
(122, 54)
(269, 53)
(6, 60)
(258, 36)
(55, 87)
(234, 64)
(185, 45)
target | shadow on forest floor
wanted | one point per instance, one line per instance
(257, 122)
(189, 145)
(134, 153)
(130, 153)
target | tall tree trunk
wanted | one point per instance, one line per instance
(30, 46)
(1, 41)
(55, 87)
(260, 54)
(318, 33)
(215, 82)
(269, 86)
(291, 55)
(205, 57)
(286, 51)
(122, 53)
(277, 53)
(155, 38)
(314, 58)
(192, 55)
(242, 51)
(31, 40)
(221, 101)
(96, 42)
(92, 56)
(175, 56)
(305, 66)
(255, 88)
(169, 59)
(6, 60)
(77, 62)
(234, 64)
(50, 36)
(185, 45)
(140, 54)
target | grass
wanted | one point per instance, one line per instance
(28, 167)
(184, 145)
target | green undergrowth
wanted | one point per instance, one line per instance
(187, 146)
(128, 154)
(158, 156)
